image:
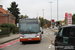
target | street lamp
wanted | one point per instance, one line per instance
(8, 23)
(43, 16)
(57, 10)
(43, 12)
(51, 12)
(37, 14)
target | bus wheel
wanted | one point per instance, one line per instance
(23, 42)
(40, 40)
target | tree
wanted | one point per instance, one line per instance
(49, 24)
(26, 16)
(14, 10)
(42, 21)
(46, 21)
(45, 25)
(73, 19)
(22, 16)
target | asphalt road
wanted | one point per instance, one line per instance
(45, 44)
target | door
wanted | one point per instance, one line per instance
(72, 36)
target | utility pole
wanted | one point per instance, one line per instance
(57, 10)
(51, 13)
(43, 16)
(37, 14)
(43, 12)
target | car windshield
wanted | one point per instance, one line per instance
(29, 28)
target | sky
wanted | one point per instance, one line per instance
(32, 7)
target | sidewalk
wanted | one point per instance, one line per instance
(9, 38)
(54, 30)
(52, 42)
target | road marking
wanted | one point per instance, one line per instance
(51, 46)
(8, 44)
(46, 33)
(47, 37)
(50, 33)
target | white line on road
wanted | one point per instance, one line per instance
(51, 46)
(46, 33)
(47, 37)
(50, 33)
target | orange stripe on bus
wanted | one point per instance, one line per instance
(27, 39)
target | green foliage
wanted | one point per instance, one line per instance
(22, 16)
(65, 21)
(49, 24)
(42, 21)
(11, 32)
(46, 21)
(4, 31)
(73, 19)
(15, 30)
(6, 25)
(14, 10)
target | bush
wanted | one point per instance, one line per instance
(4, 31)
(6, 25)
(15, 30)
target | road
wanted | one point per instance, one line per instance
(45, 44)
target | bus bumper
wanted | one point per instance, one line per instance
(29, 39)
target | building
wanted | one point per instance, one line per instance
(4, 16)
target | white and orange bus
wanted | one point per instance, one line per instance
(30, 30)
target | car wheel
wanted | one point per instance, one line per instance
(56, 49)
(40, 40)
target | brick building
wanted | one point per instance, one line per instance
(4, 16)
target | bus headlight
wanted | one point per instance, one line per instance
(38, 36)
(21, 36)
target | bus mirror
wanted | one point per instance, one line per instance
(42, 32)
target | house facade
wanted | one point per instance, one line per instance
(4, 17)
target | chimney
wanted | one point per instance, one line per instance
(1, 6)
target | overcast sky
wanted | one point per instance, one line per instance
(32, 7)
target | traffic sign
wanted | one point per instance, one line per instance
(69, 19)
(66, 15)
(52, 20)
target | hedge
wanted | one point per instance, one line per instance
(6, 25)
(15, 30)
(12, 29)
(4, 31)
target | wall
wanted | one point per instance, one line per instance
(4, 19)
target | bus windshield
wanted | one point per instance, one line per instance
(29, 28)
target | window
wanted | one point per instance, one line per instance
(66, 31)
(1, 12)
(72, 32)
(29, 28)
(60, 32)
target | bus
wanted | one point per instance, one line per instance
(30, 30)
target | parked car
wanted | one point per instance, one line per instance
(65, 38)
